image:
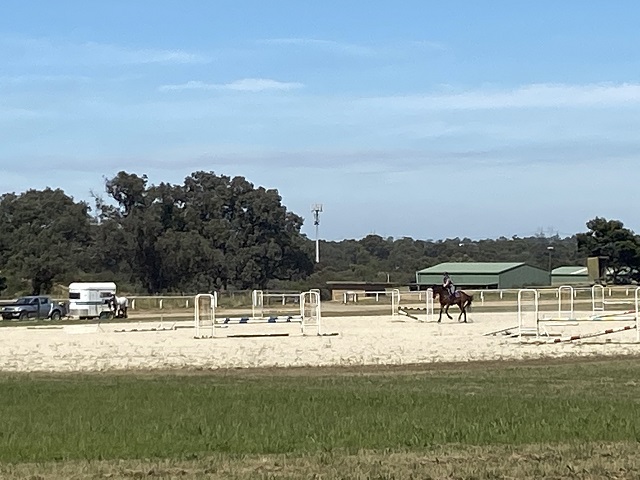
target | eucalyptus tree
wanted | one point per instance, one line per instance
(45, 236)
(211, 232)
(611, 239)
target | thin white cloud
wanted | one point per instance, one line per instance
(428, 45)
(348, 48)
(353, 49)
(44, 51)
(527, 96)
(243, 85)
(33, 79)
(157, 56)
(13, 113)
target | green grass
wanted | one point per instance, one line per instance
(306, 412)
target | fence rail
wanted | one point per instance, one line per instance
(548, 297)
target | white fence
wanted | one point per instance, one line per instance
(263, 303)
(163, 302)
(596, 300)
(376, 296)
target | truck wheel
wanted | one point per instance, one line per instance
(55, 315)
(23, 316)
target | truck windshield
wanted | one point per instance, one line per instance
(23, 301)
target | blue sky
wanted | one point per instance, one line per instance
(407, 118)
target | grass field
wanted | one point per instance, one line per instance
(577, 418)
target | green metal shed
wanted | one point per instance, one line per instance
(497, 275)
(570, 275)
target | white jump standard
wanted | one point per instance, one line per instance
(528, 313)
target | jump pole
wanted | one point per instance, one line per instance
(397, 309)
(596, 334)
(506, 331)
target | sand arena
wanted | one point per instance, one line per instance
(361, 340)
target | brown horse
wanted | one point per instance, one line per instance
(461, 299)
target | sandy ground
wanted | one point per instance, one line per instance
(361, 340)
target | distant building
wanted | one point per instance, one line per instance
(485, 275)
(570, 275)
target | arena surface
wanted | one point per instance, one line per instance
(360, 340)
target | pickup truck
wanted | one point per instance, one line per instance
(33, 307)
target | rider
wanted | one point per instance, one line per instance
(448, 284)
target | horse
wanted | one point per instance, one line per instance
(119, 306)
(461, 299)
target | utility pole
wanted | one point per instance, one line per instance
(316, 208)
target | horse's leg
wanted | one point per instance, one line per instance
(446, 310)
(463, 307)
(440, 316)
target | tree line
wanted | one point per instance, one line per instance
(214, 232)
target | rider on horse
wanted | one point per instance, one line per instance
(448, 284)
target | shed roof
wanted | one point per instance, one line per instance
(570, 270)
(472, 267)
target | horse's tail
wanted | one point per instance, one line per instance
(470, 299)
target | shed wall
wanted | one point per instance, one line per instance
(460, 279)
(557, 280)
(524, 276)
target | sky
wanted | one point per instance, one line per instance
(419, 119)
